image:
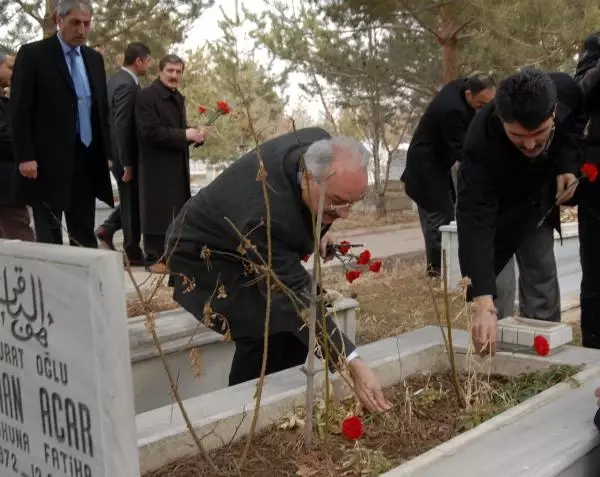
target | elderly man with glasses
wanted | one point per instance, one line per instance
(219, 277)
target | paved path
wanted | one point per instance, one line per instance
(400, 239)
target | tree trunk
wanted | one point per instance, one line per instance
(49, 20)
(449, 59)
(449, 42)
(380, 205)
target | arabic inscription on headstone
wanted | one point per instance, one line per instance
(52, 418)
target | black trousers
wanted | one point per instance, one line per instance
(589, 251)
(430, 226)
(154, 249)
(80, 212)
(126, 215)
(285, 351)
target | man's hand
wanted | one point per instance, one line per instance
(485, 326)
(597, 394)
(367, 387)
(566, 184)
(204, 130)
(127, 174)
(326, 240)
(28, 169)
(194, 135)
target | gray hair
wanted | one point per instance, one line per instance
(65, 7)
(3, 57)
(319, 155)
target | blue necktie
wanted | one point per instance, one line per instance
(84, 121)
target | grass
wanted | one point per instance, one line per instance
(360, 219)
(425, 414)
(392, 302)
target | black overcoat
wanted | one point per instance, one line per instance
(502, 194)
(164, 169)
(204, 244)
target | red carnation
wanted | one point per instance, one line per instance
(540, 343)
(375, 266)
(590, 171)
(305, 258)
(352, 275)
(201, 109)
(352, 428)
(364, 258)
(223, 107)
(344, 247)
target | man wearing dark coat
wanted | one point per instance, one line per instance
(59, 121)
(216, 272)
(521, 157)
(434, 149)
(164, 169)
(588, 77)
(14, 217)
(123, 88)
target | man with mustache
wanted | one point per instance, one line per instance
(59, 121)
(164, 169)
(520, 157)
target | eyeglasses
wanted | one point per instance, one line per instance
(332, 206)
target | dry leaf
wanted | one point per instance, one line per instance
(306, 471)
(291, 421)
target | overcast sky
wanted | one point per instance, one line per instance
(206, 29)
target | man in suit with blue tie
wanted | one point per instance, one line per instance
(59, 120)
(123, 88)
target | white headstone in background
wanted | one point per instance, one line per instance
(66, 395)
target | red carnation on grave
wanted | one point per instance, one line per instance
(541, 345)
(352, 275)
(201, 109)
(344, 247)
(223, 107)
(590, 171)
(364, 258)
(352, 428)
(375, 266)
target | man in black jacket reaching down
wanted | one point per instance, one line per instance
(220, 279)
(520, 157)
(434, 149)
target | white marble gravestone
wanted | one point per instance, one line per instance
(66, 395)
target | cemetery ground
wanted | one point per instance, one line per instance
(426, 413)
(392, 302)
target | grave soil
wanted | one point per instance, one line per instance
(426, 413)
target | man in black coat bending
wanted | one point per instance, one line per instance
(521, 156)
(435, 147)
(217, 275)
